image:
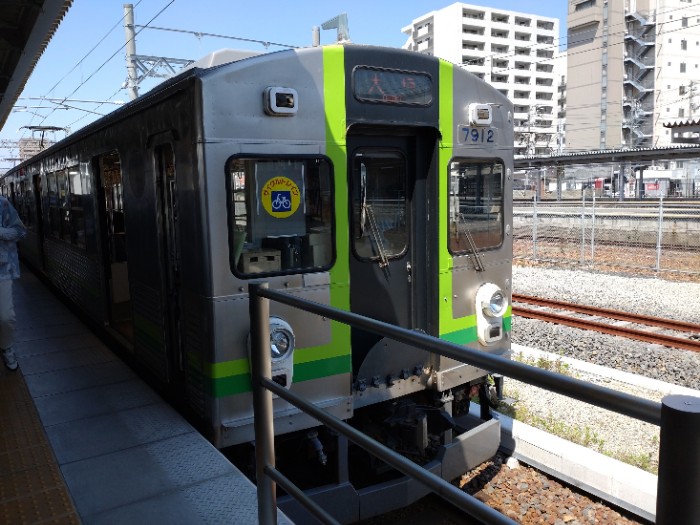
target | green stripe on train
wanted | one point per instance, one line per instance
(447, 324)
(222, 386)
(334, 84)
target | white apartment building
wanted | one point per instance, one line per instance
(515, 52)
(633, 65)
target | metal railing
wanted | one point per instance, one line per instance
(654, 239)
(678, 416)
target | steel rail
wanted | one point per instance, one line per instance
(639, 335)
(671, 324)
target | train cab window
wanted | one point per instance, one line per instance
(379, 204)
(476, 205)
(280, 215)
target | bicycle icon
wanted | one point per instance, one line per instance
(281, 201)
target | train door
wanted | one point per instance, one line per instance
(170, 271)
(388, 183)
(115, 259)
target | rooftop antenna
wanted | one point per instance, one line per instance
(340, 23)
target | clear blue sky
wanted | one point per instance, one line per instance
(85, 59)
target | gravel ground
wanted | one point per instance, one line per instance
(673, 300)
(622, 437)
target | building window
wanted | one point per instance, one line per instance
(682, 67)
(684, 45)
(685, 21)
(681, 90)
(584, 5)
(681, 112)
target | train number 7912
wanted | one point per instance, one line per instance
(478, 135)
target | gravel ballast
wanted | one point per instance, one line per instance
(649, 296)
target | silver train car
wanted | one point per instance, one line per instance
(374, 180)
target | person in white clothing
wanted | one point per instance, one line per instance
(11, 230)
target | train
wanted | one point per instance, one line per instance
(374, 180)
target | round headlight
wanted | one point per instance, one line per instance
(281, 339)
(496, 305)
(493, 301)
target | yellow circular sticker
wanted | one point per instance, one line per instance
(280, 197)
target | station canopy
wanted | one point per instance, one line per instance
(26, 27)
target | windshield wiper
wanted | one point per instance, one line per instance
(376, 236)
(478, 265)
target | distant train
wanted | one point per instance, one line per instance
(374, 180)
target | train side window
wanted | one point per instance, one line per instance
(53, 205)
(280, 214)
(476, 205)
(64, 205)
(75, 203)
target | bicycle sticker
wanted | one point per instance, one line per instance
(280, 197)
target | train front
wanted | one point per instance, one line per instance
(376, 181)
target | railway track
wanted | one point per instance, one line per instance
(691, 342)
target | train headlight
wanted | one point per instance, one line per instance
(491, 306)
(281, 339)
(492, 300)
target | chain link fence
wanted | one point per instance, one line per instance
(661, 239)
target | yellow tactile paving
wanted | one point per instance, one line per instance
(32, 490)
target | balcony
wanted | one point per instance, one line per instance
(473, 14)
(472, 30)
(472, 46)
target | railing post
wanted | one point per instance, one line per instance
(259, 308)
(677, 498)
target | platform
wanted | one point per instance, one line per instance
(84, 440)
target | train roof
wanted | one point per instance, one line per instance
(201, 68)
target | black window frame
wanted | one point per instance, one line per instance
(232, 189)
(451, 196)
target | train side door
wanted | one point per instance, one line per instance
(170, 271)
(387, 213)
(111, 204)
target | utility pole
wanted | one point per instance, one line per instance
(130, 50)
(691, 96)
(140, 67)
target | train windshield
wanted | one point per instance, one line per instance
(476, 205)
(280, 215)
(379, 205)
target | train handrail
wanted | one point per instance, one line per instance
(674, 412)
